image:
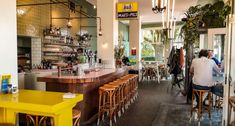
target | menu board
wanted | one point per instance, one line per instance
(127, 10)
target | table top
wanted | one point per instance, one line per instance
(34, 100)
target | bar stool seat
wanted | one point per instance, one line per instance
(199, 109)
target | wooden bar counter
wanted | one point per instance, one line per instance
(87, 84)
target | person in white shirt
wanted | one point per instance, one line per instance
(202, 71)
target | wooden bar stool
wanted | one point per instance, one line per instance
(130, 79)
(126, 91)
(199, 109)
(38, 120)
(42, 120)
(231, 101)
(117, 98)
(106, 102)
(76, 116)
(121, 85)
(134, 85)
(136, 78)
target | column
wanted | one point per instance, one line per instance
(229, 66)
(135, 37)
(8, 43)
(106, 10)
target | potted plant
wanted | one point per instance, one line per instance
(118, 55)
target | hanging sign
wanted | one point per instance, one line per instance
(127, 10)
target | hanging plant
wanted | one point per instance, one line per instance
(190, 29)
(207, 16)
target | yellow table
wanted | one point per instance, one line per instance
(36, 102)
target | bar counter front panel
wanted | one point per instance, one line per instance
(88, 85)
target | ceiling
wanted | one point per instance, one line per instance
(145, 9)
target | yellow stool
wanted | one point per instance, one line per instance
(199, 108)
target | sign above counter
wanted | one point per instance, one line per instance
(127, 10)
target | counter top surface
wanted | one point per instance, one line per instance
(43, 70)
(86, 77)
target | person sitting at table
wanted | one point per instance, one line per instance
(202, 69)
(211, 56)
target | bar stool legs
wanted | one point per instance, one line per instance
(76, 117)
(37, 120)
(42, 120)
(116, 96)
(199, 108)
(108, 104)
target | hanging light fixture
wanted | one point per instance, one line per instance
(69, 24)
(168, 19)
(159, 6)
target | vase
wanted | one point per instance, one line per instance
(118, 63)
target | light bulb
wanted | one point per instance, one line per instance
(100, 33)
(69, 24)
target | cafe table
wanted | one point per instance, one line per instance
(44, 103)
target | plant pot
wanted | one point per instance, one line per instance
(118, 63)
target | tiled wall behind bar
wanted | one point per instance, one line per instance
(37, 18)
(36, 51)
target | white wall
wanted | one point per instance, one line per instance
(8, 39)
(106, 9)
(135, 37)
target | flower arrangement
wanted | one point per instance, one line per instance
(119, 52)
(118, 55)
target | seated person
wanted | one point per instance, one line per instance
(211, 56)
(218, 90)
(202, 71)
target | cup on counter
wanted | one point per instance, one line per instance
(14, 89)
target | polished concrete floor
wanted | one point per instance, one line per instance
(160, 105)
